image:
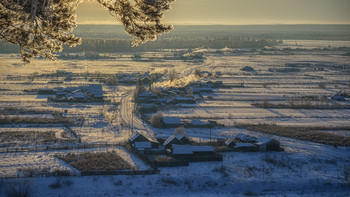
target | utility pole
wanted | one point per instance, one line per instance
(210, 132)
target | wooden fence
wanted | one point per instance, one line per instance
(58, 147)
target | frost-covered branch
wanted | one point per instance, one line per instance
(42, 27)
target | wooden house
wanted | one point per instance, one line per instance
(138, 137)
(265, 143)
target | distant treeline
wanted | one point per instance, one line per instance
(124, 45)
(112, 38)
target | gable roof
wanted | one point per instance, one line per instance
(172, 139)
(245, 138)
(177, 139)
(137, 135)
(264, 140)
(228, 142)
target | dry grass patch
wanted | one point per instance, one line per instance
(103, 161)
(31, 137)
(34, 120)
(312, 134)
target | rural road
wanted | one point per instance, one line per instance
(130, 119)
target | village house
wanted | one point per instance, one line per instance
(176, 139)
(195, 153)
(265, 143)
(137, 138)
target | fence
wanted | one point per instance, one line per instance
(87, 173)
(58, 147)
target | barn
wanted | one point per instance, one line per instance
(265, 143)
(138, 137)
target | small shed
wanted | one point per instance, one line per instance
(171, 122)
(265, 143)
(200, 124)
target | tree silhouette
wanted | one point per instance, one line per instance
(42, 27)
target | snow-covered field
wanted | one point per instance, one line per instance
(303, 169)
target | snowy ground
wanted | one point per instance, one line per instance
(303, 169)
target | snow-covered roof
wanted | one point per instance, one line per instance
(171, 120)
(202, 149)
(182, 149)
(171, 139)
(240, 145)
(263, 140)
(142, 145)
(78, 95)
(228, 142)
(245, 138)
(148, 94)
(176, 138)
(136, 135)
(180, 98)
(198, 122)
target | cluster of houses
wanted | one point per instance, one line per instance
(149, 102)
(244, 142)
(90, 93)
(181, 148)
(178, 147)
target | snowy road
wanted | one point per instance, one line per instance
(130, 119)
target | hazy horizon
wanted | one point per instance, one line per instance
(236, 12)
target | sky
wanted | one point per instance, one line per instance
(237, 12)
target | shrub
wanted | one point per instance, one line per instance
(157, 120)
(347, 174)
(322, 85)
(19, 188)
(250, 193)
(56, 184)
(118, 183)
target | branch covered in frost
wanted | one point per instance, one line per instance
(42, 27)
